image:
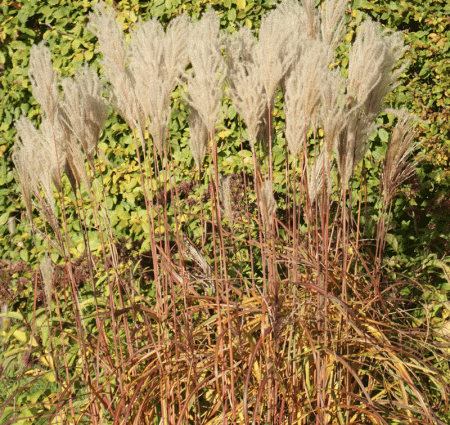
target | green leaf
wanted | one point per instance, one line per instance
(231, 112)
(24, 255)
(384, 135)
(392, 240)
(232, 15)
(4, 218)
(13, 315)
(35, 396)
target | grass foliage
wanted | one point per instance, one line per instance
(220, 250)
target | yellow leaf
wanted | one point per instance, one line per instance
(78, 57)
(248, 161)
(89, 55)
(50, 376)
(248, 22)
(224, 133)
(46, 360)
(20, 335)
(241, 4)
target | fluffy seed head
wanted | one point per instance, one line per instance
(157, 59)
(47, 271)
(225, 196)
(267, 204)
(204, 83)
(396, 168)
(198, 137)
(44, 80)
(111, 41)
(85, 108)
(303, 93)
(246, 87)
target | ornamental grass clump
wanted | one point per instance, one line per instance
(284, 313)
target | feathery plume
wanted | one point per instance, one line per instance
(319, 174)
(246, 87)
(157, 59)
(85, 109)
(267, 204)
(34, 160)
(312, 18)
(47, 271)
(303, 93)
(44, 79)
(397, 168)
(372, 58)
(204, 84)
(198, 141)
(333, 110)
(353, 142)
(225, 197)
(370, 77)
(332, 22)
(270, 53)
(112, 45)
